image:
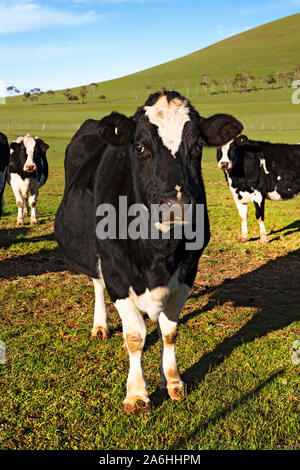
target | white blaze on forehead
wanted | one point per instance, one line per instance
(29, 143)
(170, 118)
(225, 150)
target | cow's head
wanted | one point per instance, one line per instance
(165, 139)
(228, 154)
(30, 151)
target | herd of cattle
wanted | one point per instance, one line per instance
(152, 157)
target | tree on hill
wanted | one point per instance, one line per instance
(213, 86)
(51, 94)
(205, 83)
(240, 82)
(271, 79)
(26, 95)
(227, 81)
(67, 93)
(35, 93)
(12, 90)
(93, 88)
(262, 81)
(82, 93)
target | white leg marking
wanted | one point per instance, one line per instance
(134, 331)
(262, 231)
(33, 204)
(168, 320)
(100, 313)
(243, 212)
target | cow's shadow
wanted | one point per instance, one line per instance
(46, 260)
(272, 290)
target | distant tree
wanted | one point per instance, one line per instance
(148, 87)
(240, 82)
(287, 78)
(296, 72)
(262, 81)
(205, 83)
(12, 90)
(35, 93)
(248, 78)
(271, 79)
(82, 93)
(102, 97)
(51, 94)
(213, 85)
(227, 81)
(26, 95)
(73, 98)
(93, 88)
(67, 94)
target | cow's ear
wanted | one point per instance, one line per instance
(44, 147)
(15, 146)
(116, 129)
(241, 140)
(219, 129)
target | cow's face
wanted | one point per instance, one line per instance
(164, 140)
(228, 154)
(30, 150)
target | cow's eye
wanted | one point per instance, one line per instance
(140, 149)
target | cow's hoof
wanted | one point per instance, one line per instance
(244, 239)
(99, 332)
(264, 239)
(33, 222)
(177, 392)
(137, 408)
(19, 223)
(25, 213)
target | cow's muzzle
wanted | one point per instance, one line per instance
(30, 168)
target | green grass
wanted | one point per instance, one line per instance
(61, 390)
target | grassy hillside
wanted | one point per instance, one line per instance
(273, 47)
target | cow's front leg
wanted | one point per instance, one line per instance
(243, 213)
(260, 216)
(134, 331)
(25, 207)
(168, 320)
(33, 206)
(100, 313)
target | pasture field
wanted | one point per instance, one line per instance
(61, 390)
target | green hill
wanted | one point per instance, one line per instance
(273, 47)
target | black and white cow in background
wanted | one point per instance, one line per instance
(153, 157)
(27, 172)
(4, 158)
(256, 171)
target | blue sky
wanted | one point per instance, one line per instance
(64, 43)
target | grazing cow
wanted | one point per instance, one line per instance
(4, 158)
(27, 172)
(151, 158)
(256, 171)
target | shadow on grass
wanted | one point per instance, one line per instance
(215, 417)
(34, 264)
(272, 290)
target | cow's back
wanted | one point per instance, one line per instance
(75, 218)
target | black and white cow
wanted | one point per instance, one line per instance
(256, 171)
(4, 158)
(27, 172)
(151, 158)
